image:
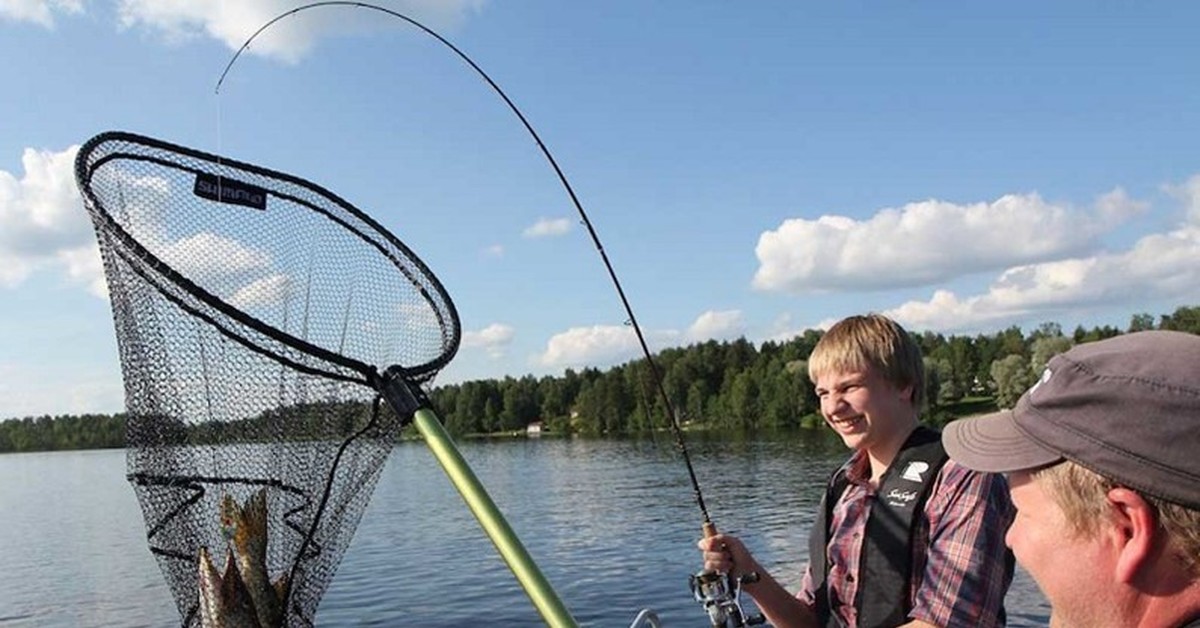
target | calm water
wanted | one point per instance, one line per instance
(611, 523)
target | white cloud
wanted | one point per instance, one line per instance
(495, 250)
(1189, 194)
(208, 258)
(39, 12)
(494, 339)
(547, 227)
(927, 242)
(715, 325)
(604, 345)
(289, 39)
(13, 269)
(83, 265)
(266, 291)
(41, 216)
(1116, 207)
(1159, 266)
(784, 327)
(418, 314)
(43, 225)
(590, 346)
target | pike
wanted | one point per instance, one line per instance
(224, 601)
(242, 596)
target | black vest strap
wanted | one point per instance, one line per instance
(885, 567)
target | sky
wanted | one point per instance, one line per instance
(751, 169)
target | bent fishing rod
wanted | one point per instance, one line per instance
(717, 592)
(656, 374)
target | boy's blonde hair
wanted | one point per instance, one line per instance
(872, 340)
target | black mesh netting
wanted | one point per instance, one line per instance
(254, 313)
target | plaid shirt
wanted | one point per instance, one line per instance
(961, 568)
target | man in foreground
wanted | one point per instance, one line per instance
(903, 536)
(1103, 457)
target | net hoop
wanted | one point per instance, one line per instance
(103, 149)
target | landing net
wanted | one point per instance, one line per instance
(255, 314)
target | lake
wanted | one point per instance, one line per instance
(611, 522)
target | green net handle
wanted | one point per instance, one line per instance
(493, 522)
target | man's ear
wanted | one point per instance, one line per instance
(1135, 531)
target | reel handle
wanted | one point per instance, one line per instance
(720, 593)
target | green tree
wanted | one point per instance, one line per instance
(1047, 330)
(1185, 319)
(520, 403)
(552, 391)
(1012, 377)
(696, 398)
(1045, 348)
(744, 406)
(585, 417)
(1012, 342)
(1141, 322)
(782, 397)
(490, 421)
(941, 387)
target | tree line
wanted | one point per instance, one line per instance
(735, 384)
(47, 433)
(729, 384)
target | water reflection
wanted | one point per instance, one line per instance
(611, 522)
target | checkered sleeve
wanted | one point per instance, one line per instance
(967, 567)
(805, 594)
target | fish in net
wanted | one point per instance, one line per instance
(260, 320)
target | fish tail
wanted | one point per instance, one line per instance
(250, 541)
(224, 601)
(238, 603)
(210, 586)
(281, 593)
(252, 526)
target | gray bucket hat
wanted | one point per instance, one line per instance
(1127, 408)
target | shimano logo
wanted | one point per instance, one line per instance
(224, 190)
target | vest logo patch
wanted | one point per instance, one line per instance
(899, 498)
(914, 471)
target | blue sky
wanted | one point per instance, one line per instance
(752, 169)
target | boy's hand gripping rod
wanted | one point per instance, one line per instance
(720, 593)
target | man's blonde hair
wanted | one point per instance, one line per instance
(871, 340)
(1083, 496)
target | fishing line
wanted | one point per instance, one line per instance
(708, 526)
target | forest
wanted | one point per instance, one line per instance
(711, 385)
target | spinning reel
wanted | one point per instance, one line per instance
(720, 594)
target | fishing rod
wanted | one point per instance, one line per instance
(718, 592)
(656, 374)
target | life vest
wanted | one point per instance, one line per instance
(885, 564)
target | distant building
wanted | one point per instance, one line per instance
(534, 429)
